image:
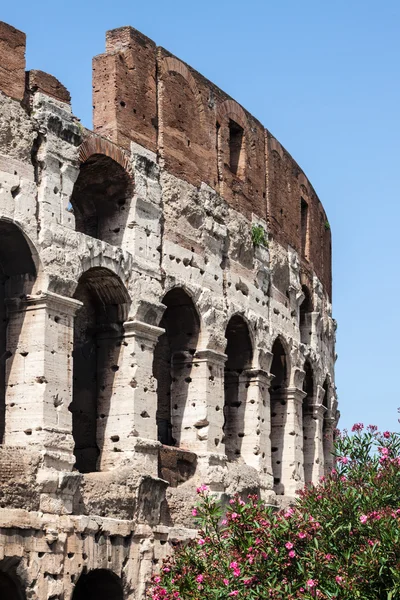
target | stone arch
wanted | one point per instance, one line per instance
(98, 584)
(184, 140)
(103, 191)
(239, 351)
(18, 274)
(98, 331)
(280, 369)
(173, 366)
(173, 65)
(305, 317)
(310, 424)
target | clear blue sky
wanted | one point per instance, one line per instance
(323, 77)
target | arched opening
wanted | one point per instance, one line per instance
(10, 588)
(98, 330)
(172, 367)
(310, 424)
(278, 396)
(240, 353)
(306, 309)
(99, 584)
(17, 277)
(100, 199)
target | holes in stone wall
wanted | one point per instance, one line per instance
(17, 276)
(278, 396)
(310, 424)
(97, 335)
(306, 309)
(240, 353)
(100, 199)
(173, 361)
(236, 149)
(99, 584)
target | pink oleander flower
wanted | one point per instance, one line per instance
(289, 545)
(344, 460)
(157, 579)
(338, 579)
(357, 427)
(234, 516)
(201, 542)
(166, 569)
(194, 512)
(302, 535)
(363, 518)
(202, 488)
(233, 593)
(328, 557)
(311, 583)
(386, 434)
(199, 578)
(292, 554)
(226, 581)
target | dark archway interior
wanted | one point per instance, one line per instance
(17, 276)
(326, 393)
(309, 424)
(175, 347)
(99, 584)
(10, 589)
(278, 396)
(306, 308)
(97, 333)
(100, 199)
(240, 353)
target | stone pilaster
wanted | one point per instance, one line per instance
(127, 402)
(292, 453)
(256, 446)
(313, 452)
(197, 400)
(328, 433)
(39, 376)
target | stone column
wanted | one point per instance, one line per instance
(39, 376)
(313, 442)
(256, 444)
(127, 401)
(197, 400)
(292, 453)
(328, 433)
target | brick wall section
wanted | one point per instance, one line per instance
(286, 186)
(124, 89)
(39, 81)
(12, 61)
(145, 94)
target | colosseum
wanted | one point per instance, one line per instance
(165, 298)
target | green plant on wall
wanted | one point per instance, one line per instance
(326, 225)
(258, 236)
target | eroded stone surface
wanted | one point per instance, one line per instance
(148, 345)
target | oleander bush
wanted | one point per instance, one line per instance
(340, 539)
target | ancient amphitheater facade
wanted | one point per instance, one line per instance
(165, 300)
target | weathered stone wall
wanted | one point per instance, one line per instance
(147, 345)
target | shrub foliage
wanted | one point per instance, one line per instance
(339, 540)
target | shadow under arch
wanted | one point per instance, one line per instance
(101, 197)
(310, 424)
(278, 397)
(99, 584)
(18, 273)
(98, 332)
(173, 363)
(239, 351)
